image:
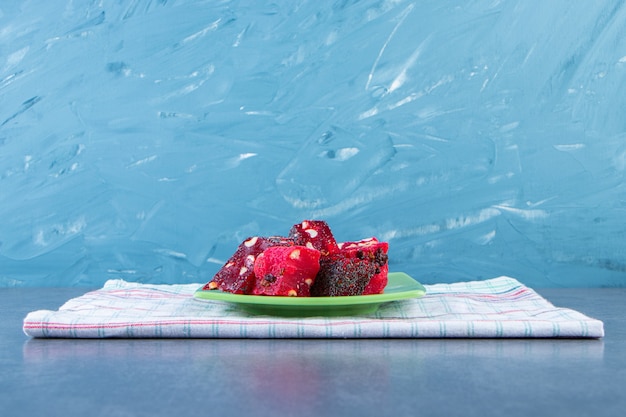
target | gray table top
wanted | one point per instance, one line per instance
(463, 377)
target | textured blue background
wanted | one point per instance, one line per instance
(145, 139)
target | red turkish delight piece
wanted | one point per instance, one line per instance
(286, 271)
(358, 268)
(237, 274)
(374, 252)
(314, 234)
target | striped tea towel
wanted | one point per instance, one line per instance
(494, 308)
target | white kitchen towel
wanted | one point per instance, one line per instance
(493, 308)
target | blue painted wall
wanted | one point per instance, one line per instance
(145, 139)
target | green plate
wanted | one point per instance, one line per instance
(400, 286)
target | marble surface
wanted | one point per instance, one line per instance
(152, 377)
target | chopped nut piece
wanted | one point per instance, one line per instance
(250, 242)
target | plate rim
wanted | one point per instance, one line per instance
(414, 289)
